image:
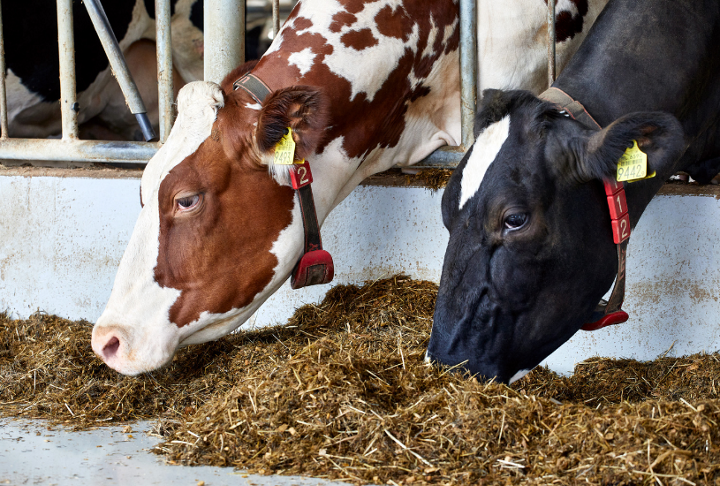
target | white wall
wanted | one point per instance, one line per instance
(61, 239)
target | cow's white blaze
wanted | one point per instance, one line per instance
(484, 151)
(137, 313)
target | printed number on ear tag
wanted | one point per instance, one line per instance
(632, 166)
(285, 149)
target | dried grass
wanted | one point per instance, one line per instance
(342, 392)
(433, 179)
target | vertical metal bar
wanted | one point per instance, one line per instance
(66, 48)
(224, 30)
(551, 41)
(3, 91)
(468, 69)
(276, 17)
(164, 67)
(119, 66)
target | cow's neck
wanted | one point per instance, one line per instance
(656, 74)
(393, 94)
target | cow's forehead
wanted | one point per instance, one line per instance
(198, 104)
(484, 151)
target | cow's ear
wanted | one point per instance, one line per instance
(595, 156)
(302, 108)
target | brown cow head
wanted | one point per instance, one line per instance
(218, 232)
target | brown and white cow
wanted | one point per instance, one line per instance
(364, 85)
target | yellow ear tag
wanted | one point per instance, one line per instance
(285, 149)
(632, 166)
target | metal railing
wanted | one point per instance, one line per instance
(224, 34)
(224, 37)
(450, 157)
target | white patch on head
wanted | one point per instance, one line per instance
(303, 60)
(254, 106)
(517, 376)
(484, 151)
(138, 309)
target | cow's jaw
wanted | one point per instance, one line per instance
(287, 249)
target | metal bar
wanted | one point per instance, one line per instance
(551, 36)
(66, 52)
(276, 17)
(119, 66)
(224, 31)
(468, 69)
(90, 151)
(442, 158)
(164, 67)
(3, 90)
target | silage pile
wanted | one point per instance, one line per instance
(342, 392)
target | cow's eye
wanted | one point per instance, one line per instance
(515, 220)
(188, 202)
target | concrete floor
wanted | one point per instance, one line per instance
(33, 454)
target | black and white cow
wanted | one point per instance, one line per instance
(531, 249)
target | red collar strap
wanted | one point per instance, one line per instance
(315, 265)
(607, 312)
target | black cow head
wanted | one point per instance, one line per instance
(531, 250)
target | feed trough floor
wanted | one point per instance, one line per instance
(33, 453)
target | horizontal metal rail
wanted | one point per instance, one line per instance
(443, 158)
(83, 151)
(225, 30)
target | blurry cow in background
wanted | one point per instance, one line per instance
(31, 50)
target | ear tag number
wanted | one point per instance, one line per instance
(632, 166)
(285, 149)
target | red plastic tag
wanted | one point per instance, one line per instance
(300, 175)
(621, 228)
(314, 268)
(612, 186)
(617, 205)
(608, 320)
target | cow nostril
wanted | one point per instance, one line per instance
(111, 347)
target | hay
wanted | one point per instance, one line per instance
(342, 392)
(433, 179)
